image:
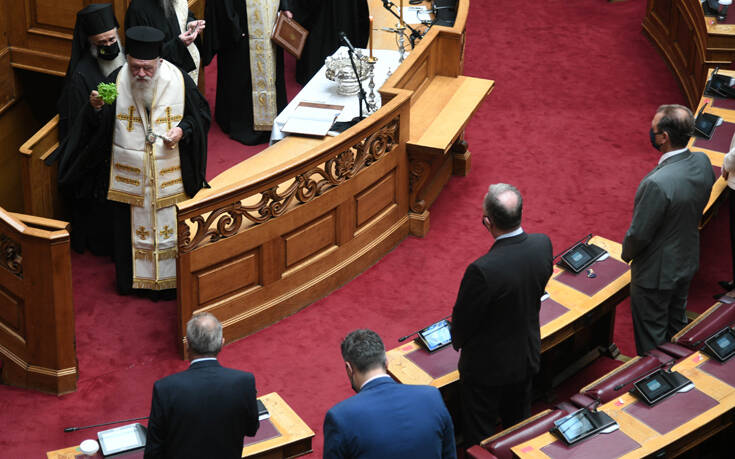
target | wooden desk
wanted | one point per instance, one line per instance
(715, 157)
(295, 438)
(583, 321)
(677, 440)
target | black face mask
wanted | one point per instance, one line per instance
(652, 136)
(108, 52)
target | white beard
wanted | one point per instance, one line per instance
(142, 90)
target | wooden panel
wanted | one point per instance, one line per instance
(311, 239)
(237, 274)
(375, 198)
(11, 312)
(37, 332)
(53, 15)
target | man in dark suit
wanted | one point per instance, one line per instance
(663, 239)
(207, 410)
(385, 419)
(495, 321)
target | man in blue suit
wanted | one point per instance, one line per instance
(385, 419)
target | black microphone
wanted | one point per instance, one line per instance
(584, 239)
(661, 365)
(404, 338)
(74, 429)
(343, 37)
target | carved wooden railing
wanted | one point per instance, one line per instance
(262, 248)
(36, 308)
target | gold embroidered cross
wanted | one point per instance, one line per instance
(166, 232)
(142, 233)
(167, 120)
(130, 118)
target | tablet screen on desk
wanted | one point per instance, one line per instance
(575, 426)
(654, 387)
(436, 336)
(722, 344)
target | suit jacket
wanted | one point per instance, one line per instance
(495, 321)
(663, 238)
(390, 420)
(205, 411)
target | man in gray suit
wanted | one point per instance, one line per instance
(663, 239)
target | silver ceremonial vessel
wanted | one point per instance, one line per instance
(339, 69)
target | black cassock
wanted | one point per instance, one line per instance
(226, 36)
(90, 138)
(324, 20)
(150, 13)
(86, 206)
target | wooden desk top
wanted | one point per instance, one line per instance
(650, 440)
(579, 304)
(715, 157)
(291, 427)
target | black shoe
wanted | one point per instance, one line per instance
(727, 285)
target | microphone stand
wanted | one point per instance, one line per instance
(342, 126)
(74, 429)
(415, 34)
(404, 338)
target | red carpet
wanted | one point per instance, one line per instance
(577, 84)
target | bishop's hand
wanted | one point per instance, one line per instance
(173, 136)
(95, 100)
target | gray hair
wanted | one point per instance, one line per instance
(503, 217)
(678, 122)
(364, 350)
(204, 334)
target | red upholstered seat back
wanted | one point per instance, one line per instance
(718, 317)
(520, 433)
(604, 390)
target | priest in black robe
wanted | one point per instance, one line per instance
(325, 20)
(181, 30)
(227, 37)
(134, 135)
(95, 54)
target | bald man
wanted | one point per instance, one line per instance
(495, 321)
(662, 243)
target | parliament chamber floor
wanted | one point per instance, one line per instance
(576, 84)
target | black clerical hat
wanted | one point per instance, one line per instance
(97, 18)
(143, 42)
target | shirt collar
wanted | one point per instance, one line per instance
(668, 155)
(374, 378)
(511, 234)
(202, 360)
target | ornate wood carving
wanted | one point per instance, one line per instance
(418, 172)
(227, 221)
(10, 255)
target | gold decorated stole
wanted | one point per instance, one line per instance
(182, 15)
(147, 175)
(261, 18)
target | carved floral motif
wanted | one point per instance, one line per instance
(10, 255)
(227, 221)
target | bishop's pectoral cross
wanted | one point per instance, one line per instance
(168, 119)
(130, 118)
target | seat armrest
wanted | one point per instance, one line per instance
(501, 443)
(675, 350)
(478, 452)
(581, 400)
